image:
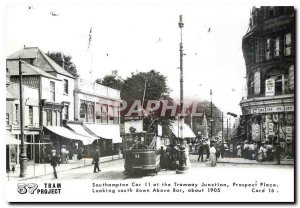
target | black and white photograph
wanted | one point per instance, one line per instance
(149, 102)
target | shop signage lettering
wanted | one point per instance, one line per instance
(271, 109)
(289, 132)
(257, 83)
(270, 87)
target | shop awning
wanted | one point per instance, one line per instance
(69, 134)
(78, 128)
(10, 139)
(186, 130)
(108, 131)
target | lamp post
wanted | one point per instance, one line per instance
(23, 156)
(182, 144)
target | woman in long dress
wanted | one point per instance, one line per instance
(239, 151)
(213, 157)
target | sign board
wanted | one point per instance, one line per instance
(255, 132)
(257, 83)
(270, 87)
(289, 133)
(273, 109)
(291, 77)
(122, 129)
(271, 128)
(138, 125)
(159, 130)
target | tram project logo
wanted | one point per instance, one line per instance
(32, 188)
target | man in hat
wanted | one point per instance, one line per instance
(54, 162)
(96, 159)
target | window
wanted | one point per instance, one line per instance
(7, 118)
(268, 49)
(30, 115)
(287, 44)
(257, 83)
(110, 114)
(66, 86)
(116, 115)
(83, 111)
(277, 48)
(65, 112)
(90, 113)
(278, 85)
(104, 114)
(52, 91)
(49, 118)
(16, 113)
(98, 113)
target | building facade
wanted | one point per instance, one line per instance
(269, 53)
(96, 109)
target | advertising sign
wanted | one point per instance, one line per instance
(257, 83)
(255, 132)
(270, 87)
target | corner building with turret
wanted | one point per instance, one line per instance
(269, 53)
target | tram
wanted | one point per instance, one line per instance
(141, 153)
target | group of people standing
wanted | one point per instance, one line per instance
(212, 152)
(261, 152)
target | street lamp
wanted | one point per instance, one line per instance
(182, 145)
(23, 156)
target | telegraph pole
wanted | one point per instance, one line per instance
(211, 116)
(222, 129)
(23, 156)
(182, 143)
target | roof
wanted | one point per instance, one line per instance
(24, 53)
(33, 52)
(56, 67)
(186, 130)
(27, 70)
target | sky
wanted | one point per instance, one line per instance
(140, 37)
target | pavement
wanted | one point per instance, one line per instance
(35, 170)
(38, 170)
(247, 161)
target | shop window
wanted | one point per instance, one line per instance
(65, 113)
(287, 44)
(98, 113)
(83, 111)
(268, 49)
(104, 114)
(16, 114)
(52, 91)
(66, 86)
(90, 113)
(49, 118)
(116, 115)
(110, 114)
(30, 115)
(277, 47)
(54, 118)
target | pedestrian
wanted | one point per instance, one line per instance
(213, 158)
(222, 150)
(163, 159)
(96, 160)
(262, 153)
(239, 151)
(200, 151)
(278, 150)
(55, 160)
